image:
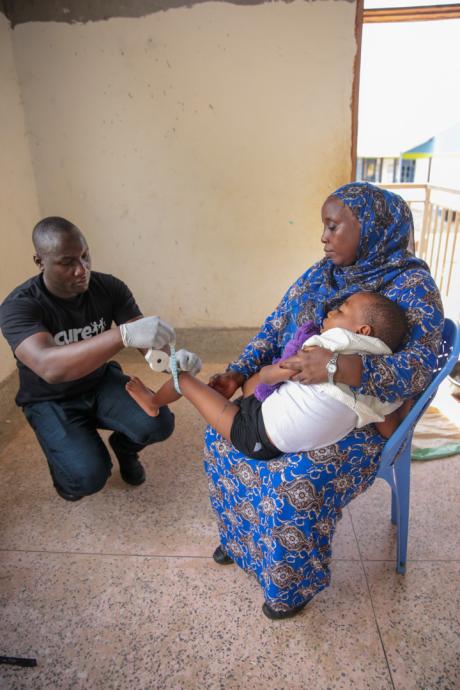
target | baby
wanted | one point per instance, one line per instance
(294, 417)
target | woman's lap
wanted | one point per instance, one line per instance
(277, 518)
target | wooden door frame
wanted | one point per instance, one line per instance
(386, 15)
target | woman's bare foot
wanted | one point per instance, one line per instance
(144, 397)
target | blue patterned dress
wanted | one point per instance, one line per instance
(276, 519)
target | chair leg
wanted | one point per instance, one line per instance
(402, 481)
(394, 507)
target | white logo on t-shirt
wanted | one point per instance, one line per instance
(73, 335)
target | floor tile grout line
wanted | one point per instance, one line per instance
(136, 555)
(104, 554)
(191, 556)
(372, 604)
(412, 560)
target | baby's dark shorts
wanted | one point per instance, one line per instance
(248, 433)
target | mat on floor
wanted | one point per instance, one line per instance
(435, 436)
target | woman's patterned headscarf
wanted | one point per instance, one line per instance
(386, 226)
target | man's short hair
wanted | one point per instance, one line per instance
(387, 319)
(46, 229)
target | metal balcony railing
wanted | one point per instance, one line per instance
(436, 212)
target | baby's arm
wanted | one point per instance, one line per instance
(273, 374)
(250, 385)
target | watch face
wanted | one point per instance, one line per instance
(331, 367)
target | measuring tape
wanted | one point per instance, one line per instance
(160, 361)
(174, 369)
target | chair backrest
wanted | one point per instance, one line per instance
(447, 358)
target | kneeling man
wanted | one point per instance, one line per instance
(58, 325)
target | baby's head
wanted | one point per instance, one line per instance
(369, 313)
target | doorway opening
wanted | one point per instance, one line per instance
(408, 120)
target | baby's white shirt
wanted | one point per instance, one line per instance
(306, 417)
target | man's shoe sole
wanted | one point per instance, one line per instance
(134, 481)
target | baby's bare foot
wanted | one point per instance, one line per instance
(144, 397)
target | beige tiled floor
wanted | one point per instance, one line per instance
(119, 591)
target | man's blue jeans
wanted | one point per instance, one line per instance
(78, 459)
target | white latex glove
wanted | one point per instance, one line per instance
(148, 332)
(187, 361)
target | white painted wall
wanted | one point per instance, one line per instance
(421, 171)
(445, 170)
(387, 170)
(18, 196)
(194, 146)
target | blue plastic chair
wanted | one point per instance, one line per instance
(396, 455)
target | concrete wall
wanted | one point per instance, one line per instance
(193, 146)
(18, 196)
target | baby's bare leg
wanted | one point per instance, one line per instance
(147, 399)
(144, 397)
(166, 394)
(214, 407)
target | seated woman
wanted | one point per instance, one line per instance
(276, 519)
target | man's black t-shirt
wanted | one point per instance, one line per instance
(31, 309)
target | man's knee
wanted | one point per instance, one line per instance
(159, 428)
(81, 481)
(93, 482)
(82, 470)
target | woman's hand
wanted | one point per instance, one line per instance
(226, 383)
(310, 365)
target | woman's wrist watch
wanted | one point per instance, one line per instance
(331, 367)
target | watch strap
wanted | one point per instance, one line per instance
(331, 367)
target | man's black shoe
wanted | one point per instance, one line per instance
(221, 557)
(67, 497)
(131, 469)
(275, 615)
